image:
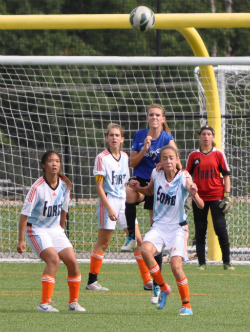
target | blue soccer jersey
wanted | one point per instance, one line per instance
(152, 156)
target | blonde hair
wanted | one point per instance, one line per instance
(45, 157)
(165, 126)
(170, 147)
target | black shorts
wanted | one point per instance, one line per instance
(148, 200)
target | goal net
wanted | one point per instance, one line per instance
(65, 104)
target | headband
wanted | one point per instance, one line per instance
(208, 128)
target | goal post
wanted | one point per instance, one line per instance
(66, 103)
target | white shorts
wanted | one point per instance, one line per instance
(173, 237)
(104, 222)
(41, 238)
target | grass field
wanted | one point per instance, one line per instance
(220, 301)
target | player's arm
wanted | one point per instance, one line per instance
(147, 191)
(193, 191)
(63, 219)
(103, 197)
(136, 157)
(22, 226)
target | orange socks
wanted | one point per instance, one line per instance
(158, 278)
(95, 262)
(184, 292)
(143, 268)
(74, 288)
(48, 283)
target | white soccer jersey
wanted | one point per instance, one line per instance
(115, 172)
(43, 205)
(169, 198)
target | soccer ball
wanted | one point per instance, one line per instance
(142, 18)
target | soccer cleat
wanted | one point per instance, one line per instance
(75, 306)
(129, 245)
(184, 311)
(202, 267)
(228, 267)
(148, 285)
(46, 307)
(96, 286)
(155, 294)
(163, 298)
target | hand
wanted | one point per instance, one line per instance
(193, 189)
(158, 167)
(147, 142)
(21, 247)
(133, 184)
(112, 215)
(226, 203)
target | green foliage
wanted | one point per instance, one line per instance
(118, 42)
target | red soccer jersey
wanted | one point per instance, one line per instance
(205, 169)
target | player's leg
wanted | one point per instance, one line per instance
(122, 224)
(147, 282)
(41, 242)
(220, 227)
(178, 253)
(68, 257)
(96, 259)
(132, 199)
(149, 202)
(152, 243)
(200, 221)
(182, 284)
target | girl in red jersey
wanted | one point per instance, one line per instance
(42, 221)
(206, 166)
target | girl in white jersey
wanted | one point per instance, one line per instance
(111, 172)
(42, 221)
(170, 187)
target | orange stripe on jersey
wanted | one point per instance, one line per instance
(99, 161)
(102, 214)
(34, 188)
(33, 239)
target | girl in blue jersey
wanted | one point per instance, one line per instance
(170, 187)
(42, 221)
(146, 147)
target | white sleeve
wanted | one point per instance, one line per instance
(99, 167)
(30, 202)
(65, 206)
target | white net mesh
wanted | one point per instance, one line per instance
(68, 107)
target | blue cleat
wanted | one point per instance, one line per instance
(163, 298)
(184, 311)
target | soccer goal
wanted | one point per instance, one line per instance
(66, 103)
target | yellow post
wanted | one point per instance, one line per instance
(214, 120)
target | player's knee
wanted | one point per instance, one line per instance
(145, 251)
(131, 195)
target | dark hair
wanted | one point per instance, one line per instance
(170, 147)
(45, 157)
(207, 128)
(165, 126)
